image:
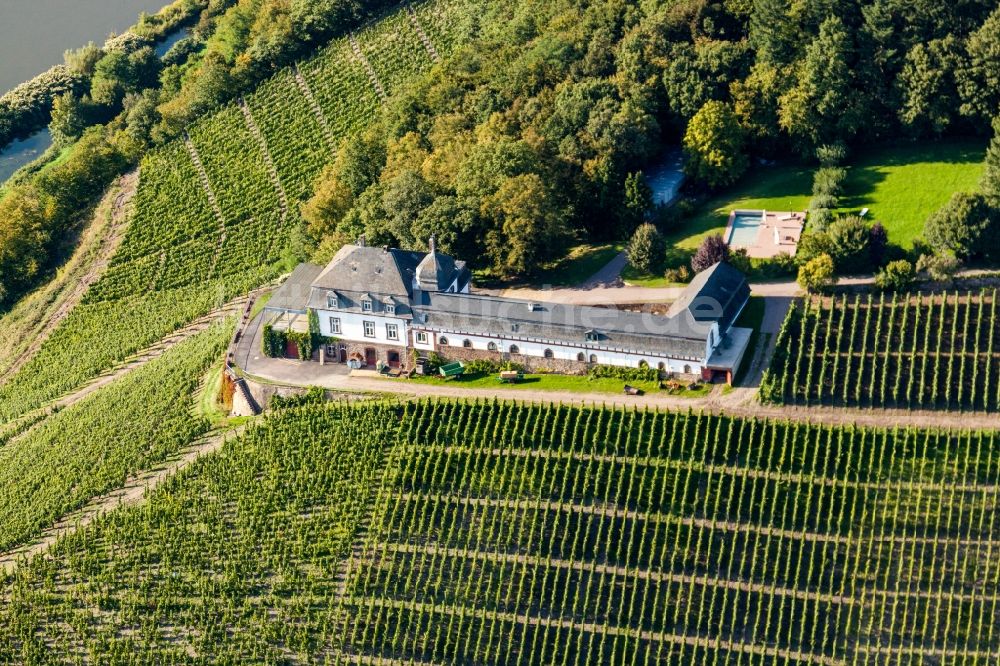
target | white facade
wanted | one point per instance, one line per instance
(353, 327)
(443, 341)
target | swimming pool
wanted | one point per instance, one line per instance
(745, 227)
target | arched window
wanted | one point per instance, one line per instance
(467, 343)
(593, 358)
(548, 354)
(643, 364)
(443, 341)
(492, 346)
(687, 369)
(581, 357)
(661, 366)
(514, 349)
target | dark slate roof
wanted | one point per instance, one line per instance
(390, 272)
(293, 294)
(472, 314)
(716, 294)
(371, 269)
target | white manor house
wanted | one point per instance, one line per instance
(380, 305)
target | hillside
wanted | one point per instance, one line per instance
(214, 210)
(512, 534)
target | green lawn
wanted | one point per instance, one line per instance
(902, 185)
(554, 382)
(577, 266)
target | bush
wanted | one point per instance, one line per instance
(817, 274)
(680, 274)
(820, 218)
(315, 395)
(712, 250)
(966, 226)
(645, 374)
(646, 249)
(273, 342)
(941, 266)
(831, 155)
(878, 243)
(896, 276)
(823, 201)
(781, 265)
(829, 181)
(849, 238)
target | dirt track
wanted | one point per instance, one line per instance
(40, 313)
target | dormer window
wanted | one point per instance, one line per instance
(390, 308)
(366, 305)
(593, 336)
(332, 302)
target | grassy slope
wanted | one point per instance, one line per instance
(552, 382)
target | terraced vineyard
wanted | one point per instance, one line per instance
(926, 351)
(497, 533)
(214, 210)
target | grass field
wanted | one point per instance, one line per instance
(498, 533)
(904, 184)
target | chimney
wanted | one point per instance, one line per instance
(432, 243)
(361, 241)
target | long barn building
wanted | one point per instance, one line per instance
(379, 305)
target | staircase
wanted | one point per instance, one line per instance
(356, 48)
(428, 44)
(303, 85)
(203, 177)
(272, 171)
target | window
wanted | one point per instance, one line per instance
(687, 369)
(643, 364)
(581, 357)
(467, 343)
(443, 341)
(421, 337)
(661, 366)
(366, 305)
(392, 331)
(593, 358)
(369, 329)
(548, 354)
(593, 336)
(335, 325)
(331, 301)
(514, 349)
(390, 308)
(492, 346)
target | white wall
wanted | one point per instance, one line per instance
(352, 326)
(562, 352)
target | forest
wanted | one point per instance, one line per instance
(536, 134)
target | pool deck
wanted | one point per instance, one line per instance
(779, 232)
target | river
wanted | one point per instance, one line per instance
(33, 36)
(34, 33)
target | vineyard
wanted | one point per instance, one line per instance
(93, 446)
(924, 351)
(214, 209)
(233, 559)
(496, 533)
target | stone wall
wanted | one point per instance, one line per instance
(357, 350)
(530, 363)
